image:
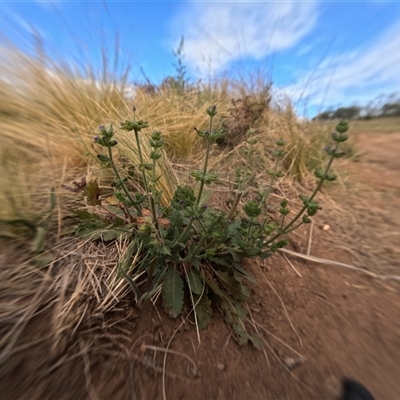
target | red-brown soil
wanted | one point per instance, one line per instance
(337, 322)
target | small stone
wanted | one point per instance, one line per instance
(293, 362)
(326, 227)
(221, 366)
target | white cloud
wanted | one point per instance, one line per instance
(219, 33)
(359, 75)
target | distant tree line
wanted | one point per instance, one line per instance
(390, 107)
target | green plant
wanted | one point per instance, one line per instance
(188, 249)
(179, 82)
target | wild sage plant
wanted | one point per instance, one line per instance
(189, 250)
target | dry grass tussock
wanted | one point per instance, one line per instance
(49, 115)
(79, 285)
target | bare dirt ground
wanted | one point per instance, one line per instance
(320, 322)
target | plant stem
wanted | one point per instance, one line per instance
(201, 242)
(205, 166)
(294, 227)
(141, 161)
(272, 181)
(282, 222)
(186, 230)
(124, 188)
(235, 204)
(146, 186)
(300, 213)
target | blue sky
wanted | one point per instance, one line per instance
(320, 53)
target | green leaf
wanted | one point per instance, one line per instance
(203, 310)
(230, 284)
(172, 292)
(91, 229)
(164, 250)
(183, 197)
(85, 215)
(319, 173)
(234, 254)
(257, 341)
(210, 177)
(265, 254)
(40, 239)
(131, 283)
(196, 263)
(44, 259)
(134, 125)
(146, 166)
(111, 234)
(213, 285)
(198, 175)
(103, 158)
(253, 252)
(244, 272)
(342, 127)
(92, 192)
(222, 261)
(234, 314)
(304, 199)
(194, 281)
(252, 209)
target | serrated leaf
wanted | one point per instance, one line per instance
(240, 334)
(194, 281)
(253, 252)
(92, 192)
(234, 314)
(172, 292)
(233, 229)
(164, 250)
(240, 310)
(176, 220)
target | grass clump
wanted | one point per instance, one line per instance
(185, 249)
